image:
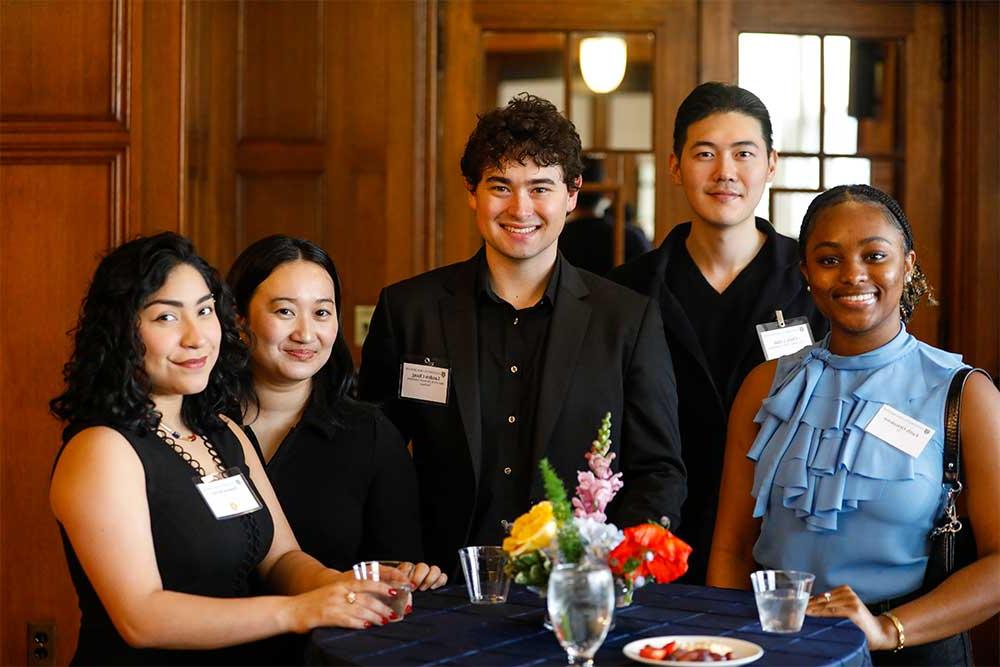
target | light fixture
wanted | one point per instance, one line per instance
(602, 62)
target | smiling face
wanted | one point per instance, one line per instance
(520, 212)
(181, 333)
(723, 168)
(856, 264)
(293, 319)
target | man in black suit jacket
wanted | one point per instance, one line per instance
(492, 363)
(715, 278)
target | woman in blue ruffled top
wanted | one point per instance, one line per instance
(837, 451)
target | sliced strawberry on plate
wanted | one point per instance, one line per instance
(651, 652)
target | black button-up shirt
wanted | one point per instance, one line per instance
(511, 361)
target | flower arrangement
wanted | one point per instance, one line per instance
(569, 531)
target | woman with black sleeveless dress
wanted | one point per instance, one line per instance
(166, 515)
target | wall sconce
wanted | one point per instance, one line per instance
(602, 62)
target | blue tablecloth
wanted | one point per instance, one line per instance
(445, 629)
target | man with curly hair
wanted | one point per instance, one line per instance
(514, 354)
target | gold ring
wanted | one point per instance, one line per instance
(827, 597)
(351, 597)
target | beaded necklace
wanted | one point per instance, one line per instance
(171, 436)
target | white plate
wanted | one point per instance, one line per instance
(743, 651)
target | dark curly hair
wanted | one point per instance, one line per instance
(528, 128)
(916, 285)
(713, 97)
(106, 381)
(334, 381)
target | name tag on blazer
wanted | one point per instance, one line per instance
(424, 379)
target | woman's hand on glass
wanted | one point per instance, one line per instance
(423, 576)
(347, 603)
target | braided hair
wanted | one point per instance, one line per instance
(916, 285)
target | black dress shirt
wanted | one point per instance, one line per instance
(511, 359)
(716, 316)
(349, 492)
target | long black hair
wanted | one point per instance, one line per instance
(916, 285)
(333, 382)
(106, 381)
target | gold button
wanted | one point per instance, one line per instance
(511, 419)
(513, 369)
(506, 470)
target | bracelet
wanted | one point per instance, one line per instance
(901, 640)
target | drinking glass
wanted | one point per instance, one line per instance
(486, 577)
(581, 600)
(372, 570)
(782, 596)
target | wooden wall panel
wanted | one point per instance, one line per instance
(78, 165)
(292, 204)
(281, 71)
(64, 60)
(57, 219)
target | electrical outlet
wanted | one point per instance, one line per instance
(362, 318)
(41, 643)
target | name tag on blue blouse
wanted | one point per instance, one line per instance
(901, 431)
(227, 494)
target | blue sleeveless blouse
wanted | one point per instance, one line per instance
(838, 501)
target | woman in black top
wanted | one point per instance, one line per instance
(163, 575)
(339, 467)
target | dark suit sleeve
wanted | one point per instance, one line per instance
(392, 514)
(655, 483)
(380, 359)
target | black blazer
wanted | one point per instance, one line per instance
(704, 407)
(605, 352)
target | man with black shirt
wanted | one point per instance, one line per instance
(490, 364)
(716, 278)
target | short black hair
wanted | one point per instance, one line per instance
(715, 97)
(334, 381)
(917, 286)
(106, 381)
(528, 128)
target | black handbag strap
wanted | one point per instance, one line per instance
(952, 425)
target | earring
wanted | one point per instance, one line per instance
(809, 288)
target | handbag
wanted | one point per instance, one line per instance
(953, 545)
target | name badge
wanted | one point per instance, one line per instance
(784, 337)
(227, 494)
(424, 382)
(901, 431)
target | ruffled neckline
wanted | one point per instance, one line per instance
(812, 444)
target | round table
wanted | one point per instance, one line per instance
(445, 629)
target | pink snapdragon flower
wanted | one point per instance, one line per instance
(596, 487)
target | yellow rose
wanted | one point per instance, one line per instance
(531, 531)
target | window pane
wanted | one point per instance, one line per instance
(789, 209)
(840, 129)
(784, 72)
(846, 171)
(797, 172)
(621, 119)
(519, 62)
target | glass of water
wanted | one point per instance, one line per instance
(581, 600)
(782, 596)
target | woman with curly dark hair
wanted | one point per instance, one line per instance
(165, 512)
(835, 459)
(338, 466)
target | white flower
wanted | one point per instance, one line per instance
(600, 538)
